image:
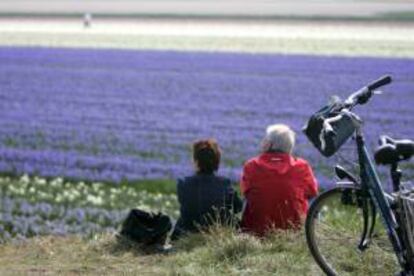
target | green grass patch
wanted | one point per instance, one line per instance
(397, 16)
(163, 186)
(219, 251)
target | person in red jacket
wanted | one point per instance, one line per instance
(276, 185)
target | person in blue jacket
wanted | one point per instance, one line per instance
(204, 197)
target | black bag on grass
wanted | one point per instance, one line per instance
(146, 228)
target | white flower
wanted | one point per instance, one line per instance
(25, 179)
(57, 182)
(95, 200)
(40, 181)
(32, 190)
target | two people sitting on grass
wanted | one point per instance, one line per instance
(276, 187)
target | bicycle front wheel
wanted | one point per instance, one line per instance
(334, 227)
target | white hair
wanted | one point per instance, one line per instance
(279, 138)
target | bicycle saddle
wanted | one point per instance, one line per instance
(392, 151)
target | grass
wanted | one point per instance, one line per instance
(399, 16)
(221, 251)
(71, 255)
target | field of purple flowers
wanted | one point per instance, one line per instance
(110, 115)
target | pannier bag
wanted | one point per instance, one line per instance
(146, 228)
(329, 142)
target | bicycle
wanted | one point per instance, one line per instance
(346, 215)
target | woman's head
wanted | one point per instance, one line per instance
(206, 155)
(278, 138)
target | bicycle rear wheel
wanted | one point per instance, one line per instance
(334, 226)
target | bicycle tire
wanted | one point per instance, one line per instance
(333, 232)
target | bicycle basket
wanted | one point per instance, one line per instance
(329, 143)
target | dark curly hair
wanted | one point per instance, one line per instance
(206, 154)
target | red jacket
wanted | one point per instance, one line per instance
(276, 187)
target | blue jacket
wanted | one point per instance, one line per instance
(202, 197)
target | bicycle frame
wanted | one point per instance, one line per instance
(370, 182)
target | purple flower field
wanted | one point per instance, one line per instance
(23, 219)
(110, 115)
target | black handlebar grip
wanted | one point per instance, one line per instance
(384, 80)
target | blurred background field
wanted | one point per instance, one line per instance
(97, 113)
(355, 38)
(214, 9)
(368, 28)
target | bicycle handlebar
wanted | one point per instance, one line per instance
(364, 94)
(384, 80)
(361, 97)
